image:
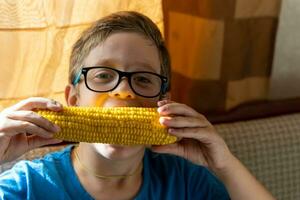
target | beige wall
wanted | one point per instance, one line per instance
(36, 37)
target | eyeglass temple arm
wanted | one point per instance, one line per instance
(77, 77)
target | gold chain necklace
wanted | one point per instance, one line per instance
(103, 176)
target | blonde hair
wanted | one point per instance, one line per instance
(124, 21)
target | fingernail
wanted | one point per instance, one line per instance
(55, 103)
(160, 109)
(161, 103)
(162, 120)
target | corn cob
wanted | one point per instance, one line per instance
(119, 125)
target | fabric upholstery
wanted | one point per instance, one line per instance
(270, 148)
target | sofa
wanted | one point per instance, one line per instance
(269, 147)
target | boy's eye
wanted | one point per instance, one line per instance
(103, 77)
(142, 79)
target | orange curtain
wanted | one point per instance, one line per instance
(221, 51)
(36, 37)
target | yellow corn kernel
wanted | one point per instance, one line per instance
(113, 125)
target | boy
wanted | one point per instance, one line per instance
(121, 61)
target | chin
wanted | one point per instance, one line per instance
(118, 152)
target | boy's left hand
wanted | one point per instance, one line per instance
(199, 141)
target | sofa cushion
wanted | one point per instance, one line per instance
(270, 148)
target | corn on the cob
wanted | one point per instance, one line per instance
(118, 125)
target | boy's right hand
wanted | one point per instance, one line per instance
(22, 129)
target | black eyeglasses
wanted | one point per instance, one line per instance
(105, 79)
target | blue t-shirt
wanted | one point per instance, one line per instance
(164, 177)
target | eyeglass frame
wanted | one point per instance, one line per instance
(84, 70)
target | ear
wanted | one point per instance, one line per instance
(71, 95)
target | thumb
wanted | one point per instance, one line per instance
(35, 141)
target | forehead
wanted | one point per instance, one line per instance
(125, 51)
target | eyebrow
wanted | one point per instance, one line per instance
(138, 64)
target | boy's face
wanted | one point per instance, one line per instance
(127, 52)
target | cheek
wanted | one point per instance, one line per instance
(90, 98)
(100, 99)
(93, 100)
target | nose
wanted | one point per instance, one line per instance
(123, 90)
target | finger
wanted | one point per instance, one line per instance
(35, 141)
(177, 109)
(181, 122)
(33, 117)
(37, 103)
(14, 127)
(27, 127)
(163, 102)
(203, 135)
